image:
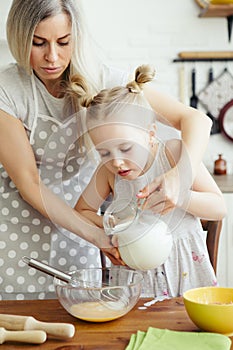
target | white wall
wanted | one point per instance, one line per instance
(131, 32)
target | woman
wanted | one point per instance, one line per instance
(44, 167)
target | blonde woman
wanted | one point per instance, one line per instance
(122, 127)
(43, 168)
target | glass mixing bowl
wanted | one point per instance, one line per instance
(100, 294)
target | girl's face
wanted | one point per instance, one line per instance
(51, 49)
(124, 149)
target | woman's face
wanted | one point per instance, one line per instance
(124, 149)
(51, 49)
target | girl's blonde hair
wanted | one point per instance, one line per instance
(111, 102)
(25, 15)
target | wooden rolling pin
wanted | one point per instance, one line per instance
(15, 322)
(33, 337)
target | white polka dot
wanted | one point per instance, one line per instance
(49, 167)
(32, 272)
(19, 297)
(1, 188)
(92, 251)
(3, 228)
(80, 161)
(49, 160)
(5, 195)
(34, 255)
(69, 132)
(31, 289)
(41, 280)
(4, 174)
(77, 188)
(86, 179)
(63, 244)
(12, 185)
(68, 196)
(45, 247)
(72, 252)
(12, 254)
(61, 155)
(23, 245)
(70, 169)
(36, 222)
(5, 211)
(52, 145)
(25, 229)
(82, 243)
(35, 238)
(43, 135)
(60, 164)
(56, 190)
(15, 204)
(62, 140)
(62, 261)
(1, 262)
(53, 253)
(9, 289)
(47, 229)
(13, 237)
(66, 183)
(14, 220)
(25, 213)
(40, 151)
(10, 271)
(54, 237)
(83, 260)
(41, 296)
(20, 280)
(46, 181)
(54, 128)
(2, 245)
(58, 175)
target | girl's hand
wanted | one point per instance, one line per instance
(166, 192)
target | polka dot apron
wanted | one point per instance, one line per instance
(65, 169)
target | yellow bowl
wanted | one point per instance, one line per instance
(211, 308)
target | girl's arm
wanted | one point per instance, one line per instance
(204, 200)
(194, 125)
(97, 190)
(17, 158)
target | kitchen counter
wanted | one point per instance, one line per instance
(224, 182)
(168, 314)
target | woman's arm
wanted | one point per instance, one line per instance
(17, 158)
(195, 130)
(204, 199)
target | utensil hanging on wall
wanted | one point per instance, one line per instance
(193, 98)
(215, 126)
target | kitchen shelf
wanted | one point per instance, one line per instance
(204, 56)
(217, 11)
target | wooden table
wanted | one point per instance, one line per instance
(115, 334)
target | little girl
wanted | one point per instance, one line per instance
(122, 127)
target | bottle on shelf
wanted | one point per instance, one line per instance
(220, 166)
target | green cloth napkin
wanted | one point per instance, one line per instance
(164, 339)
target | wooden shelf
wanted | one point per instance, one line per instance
(204, 56)
(217, 11)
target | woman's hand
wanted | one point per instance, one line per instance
(111, 250)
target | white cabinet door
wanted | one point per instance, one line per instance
(225, 252)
